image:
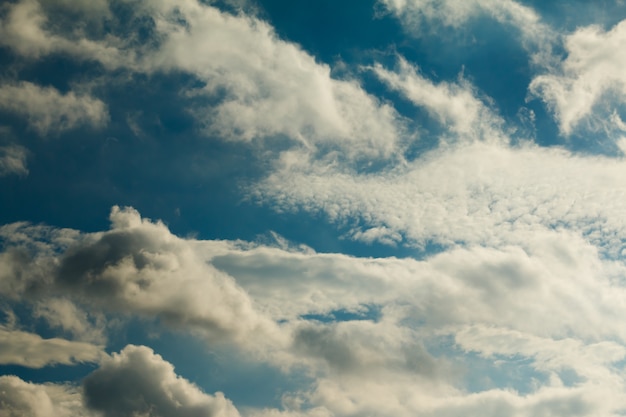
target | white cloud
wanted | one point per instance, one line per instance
(588, 79)
(552, 292)
(29, 349)
(476, 194)
(49, 111)
(61, 313)
(19, 398)
(13, 160)
(456, 13)
(139, 382)
(455, 106)
(137, 267)
(264, 86)
(26, 29)
(270, 87)
(134, 382)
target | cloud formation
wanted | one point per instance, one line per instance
(589, 83)
(139, 382)
(49, 111)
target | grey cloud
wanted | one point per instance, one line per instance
(13, 160)
(137, 381)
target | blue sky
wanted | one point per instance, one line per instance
(311, 209)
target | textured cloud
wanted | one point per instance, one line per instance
(137, 267)
(589, 79)
(139, 382)
(48, 111)
(19, 398)
(260, 85)
(553, 293)
(134, 382)
(29, 349)
(462, 115)
(477, 193)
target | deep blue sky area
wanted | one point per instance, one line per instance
(262, 208)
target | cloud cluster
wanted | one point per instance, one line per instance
(137, 267)
(556, 293)
(134, 382)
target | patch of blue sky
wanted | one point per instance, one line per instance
(364, 312)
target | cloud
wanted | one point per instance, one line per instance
(137, 267)
(260, 85)
(139, 382)
(475, 193)
(268, 86)
(19, 398)
(134, 382)
(551, 292)
(29, 349)
(589, 84)
(27, 30)
(454, 106)
(63, 314)
(13, 160)
(454, 13)
(48, 111)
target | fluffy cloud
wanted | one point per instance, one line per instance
(133, 382)
(263, 86)
(29, 349)
(19, 398)
(136, 267)
(49, 111)
(138, 382)
(589, 79)
(556, 292)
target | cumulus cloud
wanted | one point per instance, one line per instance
(137, 267)
(589, 79)
(49, 111)
(29, 349)
(13, 160)
(134, 382)
(19, 398)
(552, 292)
(139, 382)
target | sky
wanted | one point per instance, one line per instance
(315, 208)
